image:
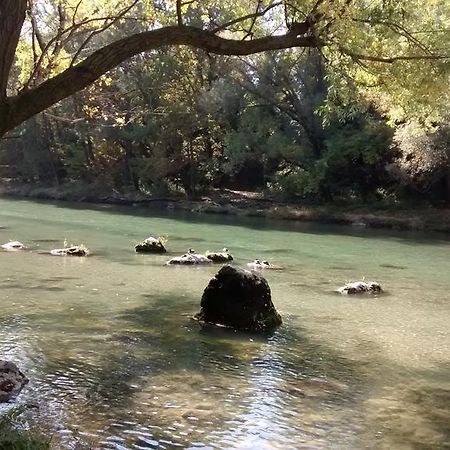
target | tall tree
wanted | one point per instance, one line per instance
(356, 34)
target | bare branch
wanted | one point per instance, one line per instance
(179, 15)
(63, 119)
(250, 29)
(397, 28)
(15, 110)
(247, 17)
(101, 30)
(61, 27)
(75, 12)
(34, 27)
(391, 59)
(12, 16)
(70, 31)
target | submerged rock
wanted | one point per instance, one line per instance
(360, 287)
(74, 250)
(150, 245)
(219, 257)
(239, 299)
(260, 265)
(12, 380)
(13, 245)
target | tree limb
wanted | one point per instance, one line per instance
(12, 16)
(15, 110)
(397, 28)
(226, 25)
(34, 26)
(104, 28)
(179, 15)
(391, 59)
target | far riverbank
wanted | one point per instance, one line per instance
(250, 204)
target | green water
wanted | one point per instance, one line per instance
(115, 361)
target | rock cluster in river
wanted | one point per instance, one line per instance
(239, 299)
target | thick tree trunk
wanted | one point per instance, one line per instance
(12, 15)
(15, 110)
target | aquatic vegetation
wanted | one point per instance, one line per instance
(14, 435)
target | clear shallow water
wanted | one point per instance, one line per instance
(115, 361)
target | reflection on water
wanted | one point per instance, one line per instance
(115, 361)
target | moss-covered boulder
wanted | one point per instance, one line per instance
(12, 380)
(239, 299)
(150, 245)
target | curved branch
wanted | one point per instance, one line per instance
(12, 16)
(16, 110)
(179, 14)
(104, 28)
(396, 28)
(224, 26)
(391, 59)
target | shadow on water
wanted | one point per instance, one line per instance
(162, 374)
(169, 370)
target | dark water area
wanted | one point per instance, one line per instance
(115, 361)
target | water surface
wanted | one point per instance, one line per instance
(115, 361)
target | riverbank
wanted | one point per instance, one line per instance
(250, 204)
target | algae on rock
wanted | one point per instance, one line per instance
(239, 299)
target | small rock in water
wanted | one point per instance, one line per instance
(219, 257)
(360, 287)
(12, 380)
(150, 245)
(260, 265)
(189, 259)
(74, 250)
(13, 245)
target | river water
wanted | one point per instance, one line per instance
(115, 362)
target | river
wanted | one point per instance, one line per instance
(115, 361)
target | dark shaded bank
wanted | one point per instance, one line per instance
(249, 204)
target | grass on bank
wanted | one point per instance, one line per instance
(14, 435)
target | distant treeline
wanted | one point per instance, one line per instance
(183, 121)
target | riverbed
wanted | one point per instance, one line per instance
(116, 362)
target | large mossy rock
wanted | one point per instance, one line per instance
(12, 380)
(239, 299)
